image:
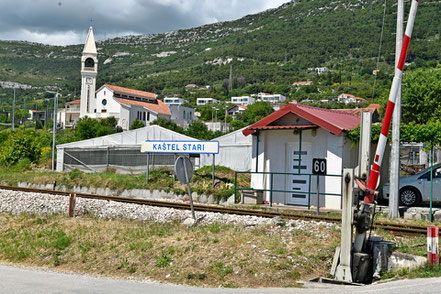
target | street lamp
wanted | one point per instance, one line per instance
(54, 130)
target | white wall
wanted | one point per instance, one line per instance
(234, 152)
(273, 153)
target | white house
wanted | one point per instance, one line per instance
(126, 105)
(319, 70)
(37, 115)
(287, 140)
(236, 109)
(271, 98)
(205, 101)
(242, 100)
(349, 98)
(174, 101)
(70, 114)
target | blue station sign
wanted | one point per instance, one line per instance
(198, 147)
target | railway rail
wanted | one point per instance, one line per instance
(395, 228)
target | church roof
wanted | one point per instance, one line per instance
(160, 108)
(131, 91)
(89, 46)
(333, 121)
(157, 107)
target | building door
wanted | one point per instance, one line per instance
(298, 185)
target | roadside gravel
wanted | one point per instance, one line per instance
(17, 202)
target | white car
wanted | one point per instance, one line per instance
(416, 188)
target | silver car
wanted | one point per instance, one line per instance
(415, 188)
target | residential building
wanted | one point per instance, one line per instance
(182, 116)
(37, 115)
(303, 83)
(319, 70)
(205, 101)
(70, 114)
(191, 86)
(242, 100)
(218, 126)
(349, 98)
(272, 98)
(236, 109)
(174, 101)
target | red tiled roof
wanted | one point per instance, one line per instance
(242, 106)
(332, 120)
(376, 106)
(131, 91)
(284, 127)
(161, 107)
(302, 83)
(74, 102)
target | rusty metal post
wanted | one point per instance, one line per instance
(72, 202)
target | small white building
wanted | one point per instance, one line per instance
(37, 115)
(236, 109)
(182, 116)
(174, 101)
(271, 98)
(349, 98)
(218, 126)
(70, 114)
(205, 101)
(242, 100)
(286, 141)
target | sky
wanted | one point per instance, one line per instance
(65, 22)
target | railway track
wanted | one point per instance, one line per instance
(391, 227)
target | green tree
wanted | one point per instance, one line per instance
(422, 96)
(137, 124)
(168, 124)
(199, 130)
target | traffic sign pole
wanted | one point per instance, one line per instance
(188, 188)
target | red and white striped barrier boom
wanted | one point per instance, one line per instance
(432, 246)
(375, 171)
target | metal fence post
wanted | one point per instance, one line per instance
(309, 192)
(318, 195)
(235, 186)
(212, 174)
(271, 190)
(147, 170)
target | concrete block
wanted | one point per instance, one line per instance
(437, 216)
(255, 197)
(400, 260)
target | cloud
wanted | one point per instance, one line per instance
(62, 22)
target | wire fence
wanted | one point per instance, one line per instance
(123, 159)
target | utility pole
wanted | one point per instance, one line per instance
(54, 130)
(230, 81)
(13, 112)
(394, 196)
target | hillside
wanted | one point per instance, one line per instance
(270, 49)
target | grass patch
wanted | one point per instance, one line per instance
(214, 255)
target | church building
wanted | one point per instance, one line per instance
(124, 104)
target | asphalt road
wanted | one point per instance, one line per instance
(15, 280)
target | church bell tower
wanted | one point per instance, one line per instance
(89, 70)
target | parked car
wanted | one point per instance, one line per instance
(415, 188)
